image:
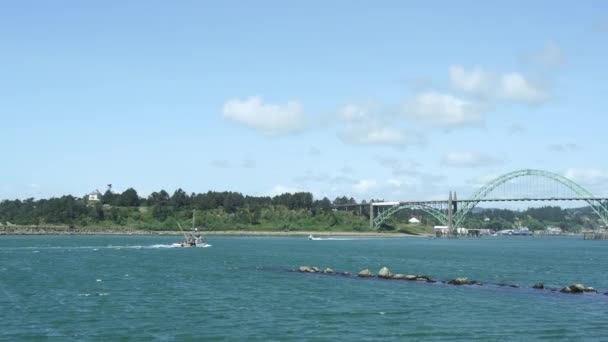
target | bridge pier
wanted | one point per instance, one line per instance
(371, 215)
(450, 214)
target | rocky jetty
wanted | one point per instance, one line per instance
(309, 269)
(577, 288)
(463, 281)
(365, 274)
(385, 273)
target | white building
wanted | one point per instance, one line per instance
(414, 220)
(94, 196)
(553, 230)
(441, 230)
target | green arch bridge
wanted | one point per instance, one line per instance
(453, 211)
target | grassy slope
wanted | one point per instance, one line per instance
(269, 219)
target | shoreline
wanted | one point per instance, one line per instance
(21, 230)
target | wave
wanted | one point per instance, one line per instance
(37, 249)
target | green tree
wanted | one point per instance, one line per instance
(109, 198)
(129, 198)
(179, 199)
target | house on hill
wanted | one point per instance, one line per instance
(94, 196)
(413, 220)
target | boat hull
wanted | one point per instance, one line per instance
(204, 245)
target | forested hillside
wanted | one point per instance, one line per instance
(235, 211)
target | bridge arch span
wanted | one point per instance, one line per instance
(485, 190)
(384, 215)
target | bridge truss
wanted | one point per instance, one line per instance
(453, 212)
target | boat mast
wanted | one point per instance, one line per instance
(183, 232)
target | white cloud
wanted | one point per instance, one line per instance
(281, 189)
(475, 81)
(587, 176)
(353, 113)
(514, 86)
(394, 182)
(364, 185)
(443, 110)
(592, 179)
(311, 177)
(400, 168)
(379, 136)
(511, 86)
(269, 118)
(363, 127)
(480, 181)
(468, 159)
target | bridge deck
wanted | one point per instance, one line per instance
(430, 202)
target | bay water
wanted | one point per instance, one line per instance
(137, 288)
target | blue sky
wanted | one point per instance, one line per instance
(391, 99)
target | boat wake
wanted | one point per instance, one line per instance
(311, 237)
(37, 249)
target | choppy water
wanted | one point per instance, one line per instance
(135, 288)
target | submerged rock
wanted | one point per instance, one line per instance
(308, 269)
(459, 281)
(384, 273)
(366, 273)
(539, 286)
(574, 288)
(328, 270)
(410, 277)
(577, 288)
(590, 289)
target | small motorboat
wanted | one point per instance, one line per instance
(194, 239)
(197, 241)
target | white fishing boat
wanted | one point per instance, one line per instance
(193, 239)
